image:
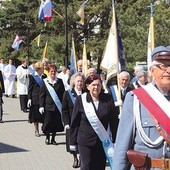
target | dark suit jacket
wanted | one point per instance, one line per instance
(2, 89)
(67, 107)
(34, 90)
(45, 98)
(127, 90)
(81, 131)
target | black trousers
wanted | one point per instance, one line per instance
(92, 157)
(1, 110)
(23, 102)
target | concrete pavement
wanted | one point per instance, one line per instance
(21, 150)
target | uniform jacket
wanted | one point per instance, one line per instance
(45, 99)
(128, 137)
(81, 131)
(34, 90)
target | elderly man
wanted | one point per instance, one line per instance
(144, 128)
(137, 69)
(124, 80)
(141, 79)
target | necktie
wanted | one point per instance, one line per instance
(123, 92)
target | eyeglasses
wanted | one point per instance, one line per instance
(162, 67)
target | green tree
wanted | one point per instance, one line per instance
(133, 16)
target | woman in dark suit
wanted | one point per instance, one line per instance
(51, 94)
(35, 84)
(82, 134)
(76, 89)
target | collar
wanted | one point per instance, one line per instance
(24, 67)
(52, 81)
(123, 88)
(36, 74)
(78, 92)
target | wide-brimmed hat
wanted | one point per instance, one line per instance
(160, 53)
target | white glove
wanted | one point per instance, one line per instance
(29, 103)
(67, 127)
(41, 110)
(73, 147)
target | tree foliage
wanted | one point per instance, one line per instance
(133, 16)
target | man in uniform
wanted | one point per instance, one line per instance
(143, 137)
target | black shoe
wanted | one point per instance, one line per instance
(47, 142)
(13, 96)
(25, 111)
(75, 163)
(1, 121)
(53, 142)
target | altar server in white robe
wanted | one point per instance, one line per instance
(23, 73)
(10, 74)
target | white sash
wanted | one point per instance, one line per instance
(158, 97)
(99, 129)
(53, 95)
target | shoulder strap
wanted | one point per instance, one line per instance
(159, 129)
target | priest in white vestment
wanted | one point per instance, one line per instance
(9, 82)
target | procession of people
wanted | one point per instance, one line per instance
(87, 112)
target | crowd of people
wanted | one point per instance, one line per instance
(131, 135)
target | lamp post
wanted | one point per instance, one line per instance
(66, 35)
(28, 24)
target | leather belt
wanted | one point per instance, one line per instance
(163, 163)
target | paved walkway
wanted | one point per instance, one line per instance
(21, 150)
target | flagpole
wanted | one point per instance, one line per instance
(116, 52)
(152, 26)
(66, 35)
(28, 24)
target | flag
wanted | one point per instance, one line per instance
(17, 42)
(45, 11)
(150, 39)
(45, 54)
(80, 12)
(73, 62)
(85, 65)
(37, 39)
(113, 60)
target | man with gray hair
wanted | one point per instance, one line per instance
(124, 80)
(143, 136)
(141, 79)
(137, 68)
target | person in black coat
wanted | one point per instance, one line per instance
(35, 84)
(2, 90)
(82, 134)
(52, 87)
(76, 89)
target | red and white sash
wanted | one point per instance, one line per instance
(156, 104)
